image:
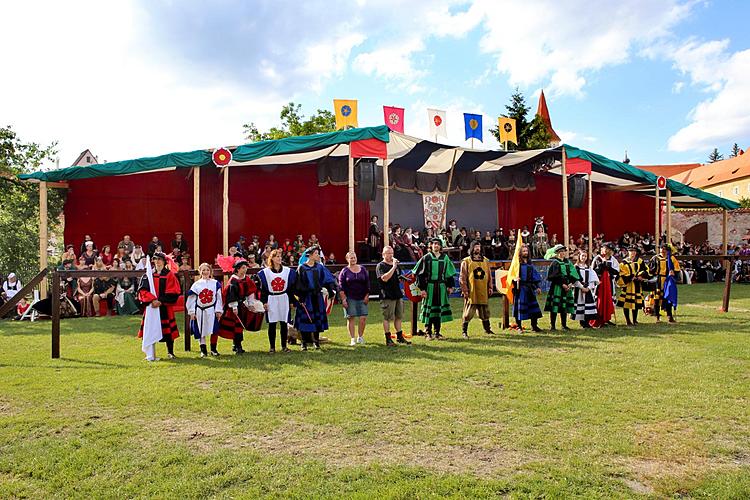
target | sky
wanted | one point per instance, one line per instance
(664, 80)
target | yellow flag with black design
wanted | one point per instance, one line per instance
(346, 113)
(507, 127)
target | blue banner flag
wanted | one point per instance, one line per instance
(473, 126)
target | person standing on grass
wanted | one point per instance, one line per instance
(312, 277)
(476, 287)
(391, 296)
(165, 295)
(633, 272)
(661, 269)
(276, 285)
(236, 315)
(585, 292)
(204, 305)
(562, 276)
(525, 290)
(435, 275)
(354, 292)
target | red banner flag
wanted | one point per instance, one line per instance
(394, 118)
(577, 166)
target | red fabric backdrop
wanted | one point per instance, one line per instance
(140, 205)
(614, 213)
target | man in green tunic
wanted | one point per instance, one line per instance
(434, 273)
(562, 275)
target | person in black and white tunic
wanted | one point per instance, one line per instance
(204, 305)
(585, 291)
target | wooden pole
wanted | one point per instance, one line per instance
(563, 171)
(727, 262)
(386, 202)
(225, 213)
(196, 217)
(186, 284)
(43, 235)
(591, 218)
(448, 191)
(351, 203)
(657, 215)
(55, 315)
(669, 216)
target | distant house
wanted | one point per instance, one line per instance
(85, 158)
(728, 178)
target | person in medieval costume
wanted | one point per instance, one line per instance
(435, 275)
(585, 292)
(204, 305)
(562, 276)
(312, 278)
(633, 272)
(164, 295)
(236, 315)
(525, 290)
(664, 266)
(475, 280)
(276, 285)
(607, 269)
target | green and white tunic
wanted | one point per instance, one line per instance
(435, 274)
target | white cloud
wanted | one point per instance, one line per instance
(725, 117)
(571, 137)
(677, 87)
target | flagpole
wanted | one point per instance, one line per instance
(386, 202)
(657, 216)
(472, 143)
(351, 201)
(566, 230)
(591, 219)
(448, 191)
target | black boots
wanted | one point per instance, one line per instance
(214, 352)
(204, 351)
(465, 329)
(388, 340)
(400, 338)
(535, 325)
(487, 327)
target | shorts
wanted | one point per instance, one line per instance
(392, 309)
(355, 308)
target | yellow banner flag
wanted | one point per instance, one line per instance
(514, 271)
(346, 113)
(507, 127)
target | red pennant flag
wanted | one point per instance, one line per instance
(577, 166)
(394, 118)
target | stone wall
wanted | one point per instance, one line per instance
(739, 224)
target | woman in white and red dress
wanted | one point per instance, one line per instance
(166, 294)
(236, 315)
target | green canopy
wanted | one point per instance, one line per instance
(618, 173)
(202, 157)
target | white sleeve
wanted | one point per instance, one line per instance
(219, 299)
(191, 302)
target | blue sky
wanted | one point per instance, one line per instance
(667, 80)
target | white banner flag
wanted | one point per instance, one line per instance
(437, 123)
(151, 319)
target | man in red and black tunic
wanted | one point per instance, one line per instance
(167, 293)
(236, 315)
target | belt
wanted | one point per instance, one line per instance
(277, 293)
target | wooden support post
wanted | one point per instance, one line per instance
(566, 228)
(43, 235)
(591, 219)
(386, 203)
(657, 215)
(414, 319)
(225, 213)
(196, 217)
(55, 315)
(506, 313)
(727, 262)
(444, 215)
(725, 232)
(351, 204)
(669, 216)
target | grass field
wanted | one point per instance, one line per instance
(656, 410)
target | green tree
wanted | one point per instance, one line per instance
(735, 151)
(531, 134)
(744, 202)
(715, 156)
(19, 204)
(294, 123)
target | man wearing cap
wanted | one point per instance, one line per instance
(179, 243)
(312, 277)
(661, 269)
(475, 280)
(633, 272)
(562, 276)
(435, 275)
(164, 297)
(605, 265)
(236, 315)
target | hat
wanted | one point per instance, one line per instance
(239, 264)
(610, 246)
(177, 232)
(554, 251)
(633, 248)
(160, 255)
(438, 241)
(89, 243)
(11, 275)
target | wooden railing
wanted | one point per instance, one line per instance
(23, 292)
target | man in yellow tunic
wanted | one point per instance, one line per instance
(476, 287)
(660, 269)
(633, 272)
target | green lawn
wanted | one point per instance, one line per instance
(660, 410)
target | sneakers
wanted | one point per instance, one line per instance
(171, 356)
(361, 340)
(214, 352)
(203, 354)
(352, 342)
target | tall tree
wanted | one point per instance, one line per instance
(19, 204)
(294, 123)
(715, 156)
(531, 134)
(735, 151)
